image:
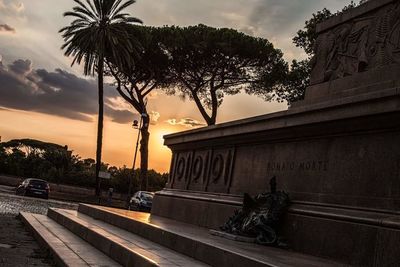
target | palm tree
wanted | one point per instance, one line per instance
(99, 30)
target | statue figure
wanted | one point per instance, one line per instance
(349, 52)
(260, 217)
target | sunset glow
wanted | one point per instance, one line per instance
(32, 45)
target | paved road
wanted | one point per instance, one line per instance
(12, 204)
(17, 246)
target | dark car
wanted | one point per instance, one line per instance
(141, 201)
(34, 188)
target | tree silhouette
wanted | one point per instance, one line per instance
(209, 63)
(135, 82)
(98, 29)
(56, 164)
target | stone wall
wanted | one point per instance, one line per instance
(339, 160)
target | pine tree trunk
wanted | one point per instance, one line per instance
(99, 125)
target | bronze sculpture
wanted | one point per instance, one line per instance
(260, 217)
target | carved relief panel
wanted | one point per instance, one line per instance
(202, 170)
(361, 44)
(220, 170)
(181, 170)
(198, 174)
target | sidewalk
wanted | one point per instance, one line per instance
(17, 246)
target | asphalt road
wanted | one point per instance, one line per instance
(17, 246)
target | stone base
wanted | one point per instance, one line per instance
(201, 209)
(354, 237)
(338, 160)
(371, 82)
(351, 235)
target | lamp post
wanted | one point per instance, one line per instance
(136, 125)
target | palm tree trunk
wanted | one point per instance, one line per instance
(99, 124)
(144, 153)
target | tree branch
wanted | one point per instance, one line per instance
(150, 89)
(201, 108)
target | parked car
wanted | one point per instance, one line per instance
(141, 201)
(34, 188)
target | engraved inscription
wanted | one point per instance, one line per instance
(298, 166)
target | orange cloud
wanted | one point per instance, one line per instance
(187, 122)
(154, 116)
(5, 28)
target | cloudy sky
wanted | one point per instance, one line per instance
(43, 97)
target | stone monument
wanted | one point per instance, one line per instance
(337, 153)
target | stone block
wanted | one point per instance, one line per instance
(102, 243)
(388, 251)
(194, 211)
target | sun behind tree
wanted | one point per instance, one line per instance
(98, 28)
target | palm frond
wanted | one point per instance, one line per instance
(133, 20)
(98, 5)
(75, 14)
(92, 8)
(85, 12)
(123, 6)
(115, 6)
(100, 31)
(83, 6)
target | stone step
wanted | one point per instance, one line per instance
(66, 248)
(123, 246)
(197, 242)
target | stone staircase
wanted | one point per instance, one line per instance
(101, 236)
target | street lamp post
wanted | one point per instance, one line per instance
(138, 126)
